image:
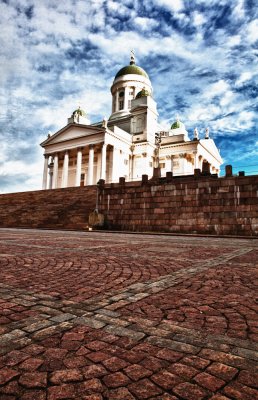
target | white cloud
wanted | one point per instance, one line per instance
(252, 31)
(146, 23)
(200, 113)
(234, 40)
(245, 119)
(227, 99)
(172, 5)
(238, 11)
(93, 101)
(216, 89)
(235, 123)
(198, 18)
(245, 76)
(13, 167)
(118, 45)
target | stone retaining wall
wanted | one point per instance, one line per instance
(191, 204)
(57, 209)
(209, 205)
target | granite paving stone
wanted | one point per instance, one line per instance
(118, 316)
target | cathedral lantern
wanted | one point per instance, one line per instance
(128, 82)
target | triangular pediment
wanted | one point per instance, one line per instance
(212, 148)
(72, 131)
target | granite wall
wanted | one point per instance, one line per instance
(191, 204)
(203, 204)
(56, 209)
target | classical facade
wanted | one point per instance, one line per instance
(129, 144)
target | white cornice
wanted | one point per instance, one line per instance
(68, 127)
(117, 137)
(213, 152)
(74, 143)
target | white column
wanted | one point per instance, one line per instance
(78, 167)
(181, 164)
(55, 172)
(117, 100)
(98, 171)
(103, 161)
(115, 165)
(50, 181)
(65, 170)
(126, 97)
(171, 164)
(196, 163)
(45, 172)
(114, 103)
(167, 164)
(90, 165)
(130, 167)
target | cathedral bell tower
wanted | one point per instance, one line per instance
(128, 82)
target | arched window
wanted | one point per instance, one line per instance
(121, 100)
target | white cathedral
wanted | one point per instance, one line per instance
(129, 144)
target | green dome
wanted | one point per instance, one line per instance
(176, 124)
(79, 112)
(143, 93)
(131, 69)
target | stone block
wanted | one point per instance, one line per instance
(122, 181)
(228, 170)
(145, 179)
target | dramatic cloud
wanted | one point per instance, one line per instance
(200, 56)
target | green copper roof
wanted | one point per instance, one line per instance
(142, 93)
(79, 112)
(176, 124)
(131, 69)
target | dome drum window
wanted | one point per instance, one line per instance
(127, 83)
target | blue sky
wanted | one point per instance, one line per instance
(54, 55)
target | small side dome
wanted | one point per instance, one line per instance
(143, 93)
(177, 124)
(79, 113)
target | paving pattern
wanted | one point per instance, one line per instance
(94, 315)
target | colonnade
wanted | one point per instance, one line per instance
(194, 158)
(52, 168)
(112, 170)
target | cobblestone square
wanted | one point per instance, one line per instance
(95, 315)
